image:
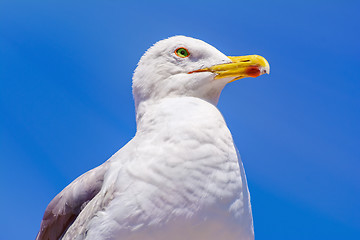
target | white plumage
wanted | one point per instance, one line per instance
(180, 177)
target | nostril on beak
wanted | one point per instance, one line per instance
(245, 60)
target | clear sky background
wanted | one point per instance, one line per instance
(66, 104)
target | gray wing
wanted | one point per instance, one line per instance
(66, 206)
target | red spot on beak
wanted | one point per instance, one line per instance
(253, 71)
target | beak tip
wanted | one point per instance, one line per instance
(266, 69)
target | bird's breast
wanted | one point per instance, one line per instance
(183, 179)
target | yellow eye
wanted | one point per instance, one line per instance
(182, 52)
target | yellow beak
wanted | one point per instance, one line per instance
(240, 67)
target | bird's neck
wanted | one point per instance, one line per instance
(205, 91)
(172, 110)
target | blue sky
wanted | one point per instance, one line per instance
(66, 103)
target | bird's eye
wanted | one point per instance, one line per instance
(182, 52)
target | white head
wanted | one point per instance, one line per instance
(184, 66)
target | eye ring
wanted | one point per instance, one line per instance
(182, 52)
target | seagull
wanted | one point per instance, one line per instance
(181, 176)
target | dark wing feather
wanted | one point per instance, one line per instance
(66, 206)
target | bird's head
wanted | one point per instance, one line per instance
(184, 66)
